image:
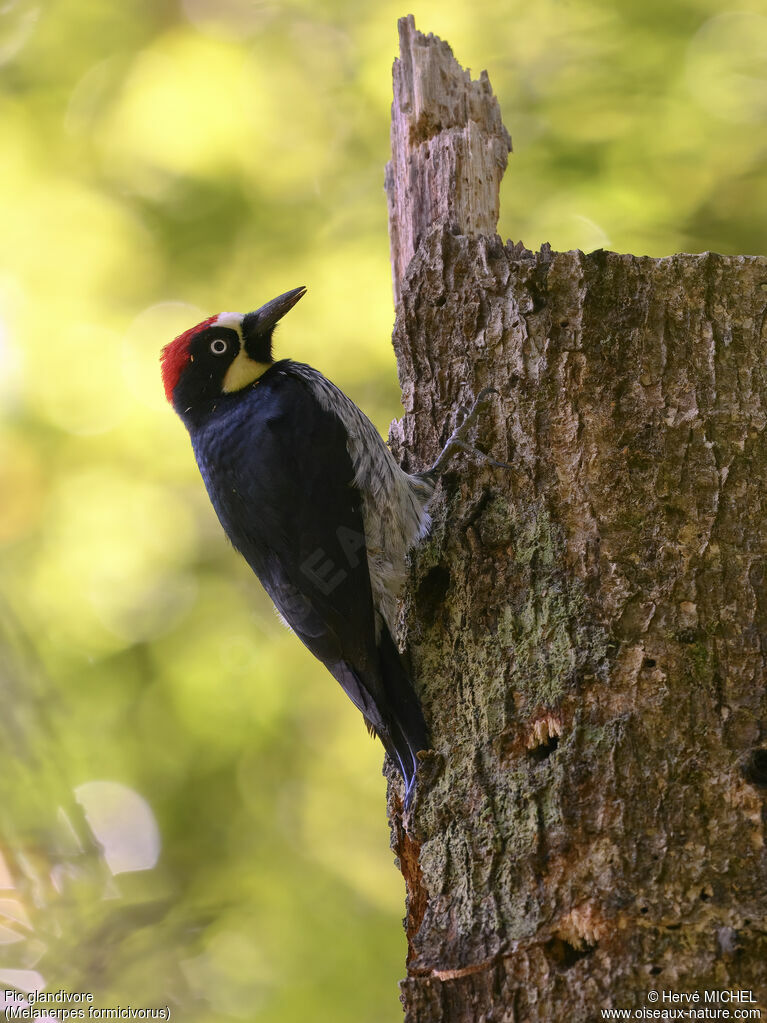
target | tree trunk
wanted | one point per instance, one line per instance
(588, 629)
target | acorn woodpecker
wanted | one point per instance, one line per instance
(311, 496)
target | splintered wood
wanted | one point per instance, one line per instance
(449, 148)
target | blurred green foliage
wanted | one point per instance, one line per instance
(163, 160)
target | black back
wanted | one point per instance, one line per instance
(281, 480)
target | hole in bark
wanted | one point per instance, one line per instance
(655, 970)
(564, 955)
(754, 768)
(440, 301)
(705, 896)
(649, 662)
(673, 927)
(644, 910)
(432, 591)
(540, 753)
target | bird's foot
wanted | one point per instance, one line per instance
(458, 440)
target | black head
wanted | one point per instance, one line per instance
(222, 355)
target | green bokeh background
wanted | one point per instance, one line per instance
(162, 160)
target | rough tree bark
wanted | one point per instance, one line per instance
(588, 630)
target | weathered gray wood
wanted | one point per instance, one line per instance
(588, 631)
(449, 148)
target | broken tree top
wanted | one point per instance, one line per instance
(449, 148)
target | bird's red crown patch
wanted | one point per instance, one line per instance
(175, 356)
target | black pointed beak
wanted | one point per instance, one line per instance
(264, 320)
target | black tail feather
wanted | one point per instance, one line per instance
(407, 731)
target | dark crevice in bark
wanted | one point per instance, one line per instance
(543, 750)
(755, 768)
(563, 954)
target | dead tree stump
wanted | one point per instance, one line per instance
(588, 630)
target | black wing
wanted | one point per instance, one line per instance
(281, 480)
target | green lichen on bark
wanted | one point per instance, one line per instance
(544, 632)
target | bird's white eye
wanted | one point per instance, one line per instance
(219, 346)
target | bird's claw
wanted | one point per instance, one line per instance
(457, 440)
(483, 455)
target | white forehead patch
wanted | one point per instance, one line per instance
(231, 320)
